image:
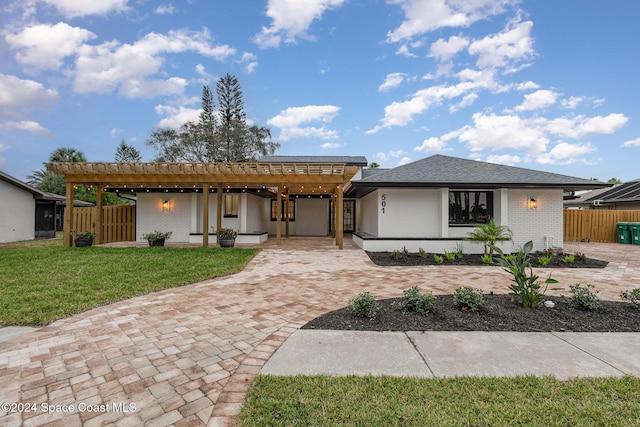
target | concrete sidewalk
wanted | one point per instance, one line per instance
(447, 354)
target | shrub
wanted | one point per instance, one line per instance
(544, 259)
(364, 305)
(459, 250)
(422, 253)
(468, 298)
(583, 297)
(569, 259)
(631, 297)
(438, 259)
(396, 254)
(487, 259)
(489, 235)
(450, 255)
(157, 235)
(526, 289)
(581, 257)
(416, 301)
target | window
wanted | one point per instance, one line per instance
(470, 207)
(292, 210)
(231, 205)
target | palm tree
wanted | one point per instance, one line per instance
(489, 234)
(66, 154)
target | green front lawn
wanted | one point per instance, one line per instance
(42, 283)
(462, 401)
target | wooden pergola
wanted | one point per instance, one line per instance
(285, 178)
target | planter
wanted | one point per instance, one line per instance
(82, 242)
(156, 242)
(226, 243)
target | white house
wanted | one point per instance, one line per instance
(430, 204)
(25, 212)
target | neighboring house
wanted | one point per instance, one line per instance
(25, 212)
(430, 204)
(619, 197)
(435, 202)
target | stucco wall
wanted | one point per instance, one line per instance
(312, 218)
(17, 214)
(256, 219)
(367, 214)
(409, 213)
(536, 224)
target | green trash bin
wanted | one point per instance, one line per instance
(624, 232)
(635, 232)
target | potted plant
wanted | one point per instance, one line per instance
(157, 238)
(84, 238)
(226, 237)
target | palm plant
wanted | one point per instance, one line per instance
(489, 235)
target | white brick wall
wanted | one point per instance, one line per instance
(151, 215)
(536, 224)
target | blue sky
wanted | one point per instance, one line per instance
(539, 84)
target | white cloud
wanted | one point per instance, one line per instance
(75, 8)
(250, 62)
(291, 20)
(104, 67)
(404, 161)
(133, 88)
(424, 16)
(538, 100)
(431, 145)
(573, 102)
(290, 122)
(3, 161)
(565, 153)
(444, 50)
(27, 126)
(495, 132)
(330, 145)
(44, 46)
(505, 49)
(396, 157)
(174, 117)
(504, 159)
(18, 97)
(581, 126)
(165, 9)
(632, 143)
(527, 86)
(392, 80)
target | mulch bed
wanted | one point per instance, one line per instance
(413, 259)
(499, 314)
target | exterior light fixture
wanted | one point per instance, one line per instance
(532, 203)
(166, 206)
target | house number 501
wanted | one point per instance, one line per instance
(383, 203)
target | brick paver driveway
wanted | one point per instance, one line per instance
(187, 356)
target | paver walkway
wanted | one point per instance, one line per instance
(187, 356)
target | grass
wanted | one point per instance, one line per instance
(461, 401)
(42, 281)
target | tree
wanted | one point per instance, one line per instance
(614, 181)
(222, 136)
(66, 154)
(489, 234)
(127, 153)
(374, 165)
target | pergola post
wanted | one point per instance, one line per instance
(279, 215)
(205, 215)
(99, 196)
(69, 222)
(333, 215)
(339, 217)
(219, 212)
(286, 213)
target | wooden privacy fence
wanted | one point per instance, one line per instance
(595, 225)
(118, 222)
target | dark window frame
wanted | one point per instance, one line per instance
(468, 208)
(292, 210)
(229, 213)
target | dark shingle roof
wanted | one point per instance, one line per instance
(452, 172)
(349, 160)
(627, 192)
